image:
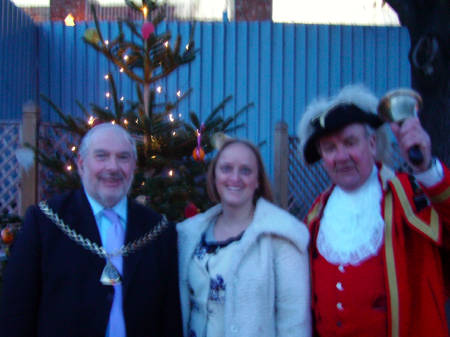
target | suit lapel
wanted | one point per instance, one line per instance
(138, 224)
(79, 216)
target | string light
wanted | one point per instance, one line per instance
(106, 42)
(69, 167)
(180, 115)
(174, 133)
(121, 70)
(153, 157)
(106, 77)
(107, 94)
(122, 98)
(143, 183)
(91, 120)
(144, 11)
(69, 20)
(187, 46)
(171, 118)
(74, 148)
(166, 44)
(113, 122)
(159, 89)
(170, 173)
(125, 121)
(137, 121)
(179, 93)
(125, 57)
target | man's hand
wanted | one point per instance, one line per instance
(410, 133)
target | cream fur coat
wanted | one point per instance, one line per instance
(270, 293)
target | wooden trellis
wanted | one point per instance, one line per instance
(296, 184)
(10, 195)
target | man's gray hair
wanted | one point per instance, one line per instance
(87, 138)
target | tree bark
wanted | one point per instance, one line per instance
(428, 25)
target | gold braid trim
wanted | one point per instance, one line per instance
(390, 265)
(314, 213)
(441, 197)
(432, 229)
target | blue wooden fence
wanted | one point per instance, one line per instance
(18, 60)
(280, 68)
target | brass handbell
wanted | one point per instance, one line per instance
(398, 105)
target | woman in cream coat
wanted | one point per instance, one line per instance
(244, 268)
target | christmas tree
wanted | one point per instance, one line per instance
(173, 154)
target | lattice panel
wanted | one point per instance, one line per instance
(305, 182)
(59, 148)
(9, 167)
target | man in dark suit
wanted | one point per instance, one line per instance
(93, 262)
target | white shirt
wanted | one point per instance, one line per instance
(102, 222)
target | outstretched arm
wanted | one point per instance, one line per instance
(433, 176)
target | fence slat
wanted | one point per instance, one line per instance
(281, 164)
(28, 180)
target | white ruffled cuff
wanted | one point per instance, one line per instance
(432, 176)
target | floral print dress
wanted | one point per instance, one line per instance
(208, 278)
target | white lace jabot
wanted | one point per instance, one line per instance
(351, 229)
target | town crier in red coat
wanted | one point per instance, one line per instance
(377, 237)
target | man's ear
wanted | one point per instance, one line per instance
(79, 164)
(373, 144)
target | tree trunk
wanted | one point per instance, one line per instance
(427, 22)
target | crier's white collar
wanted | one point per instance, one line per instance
(351, 229)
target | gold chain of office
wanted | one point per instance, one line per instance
(96, 249)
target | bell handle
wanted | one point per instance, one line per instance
(415, 155)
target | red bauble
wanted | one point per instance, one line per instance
(198, 154)
(7, 235)
(147, 29)
(190, 210)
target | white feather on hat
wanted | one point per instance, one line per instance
(355, 94)
(305, 130)
(359, 95)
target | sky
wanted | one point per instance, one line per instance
(372, 12)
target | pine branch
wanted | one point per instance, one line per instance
(69, 123)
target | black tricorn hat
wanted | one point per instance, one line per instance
(353, 104)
